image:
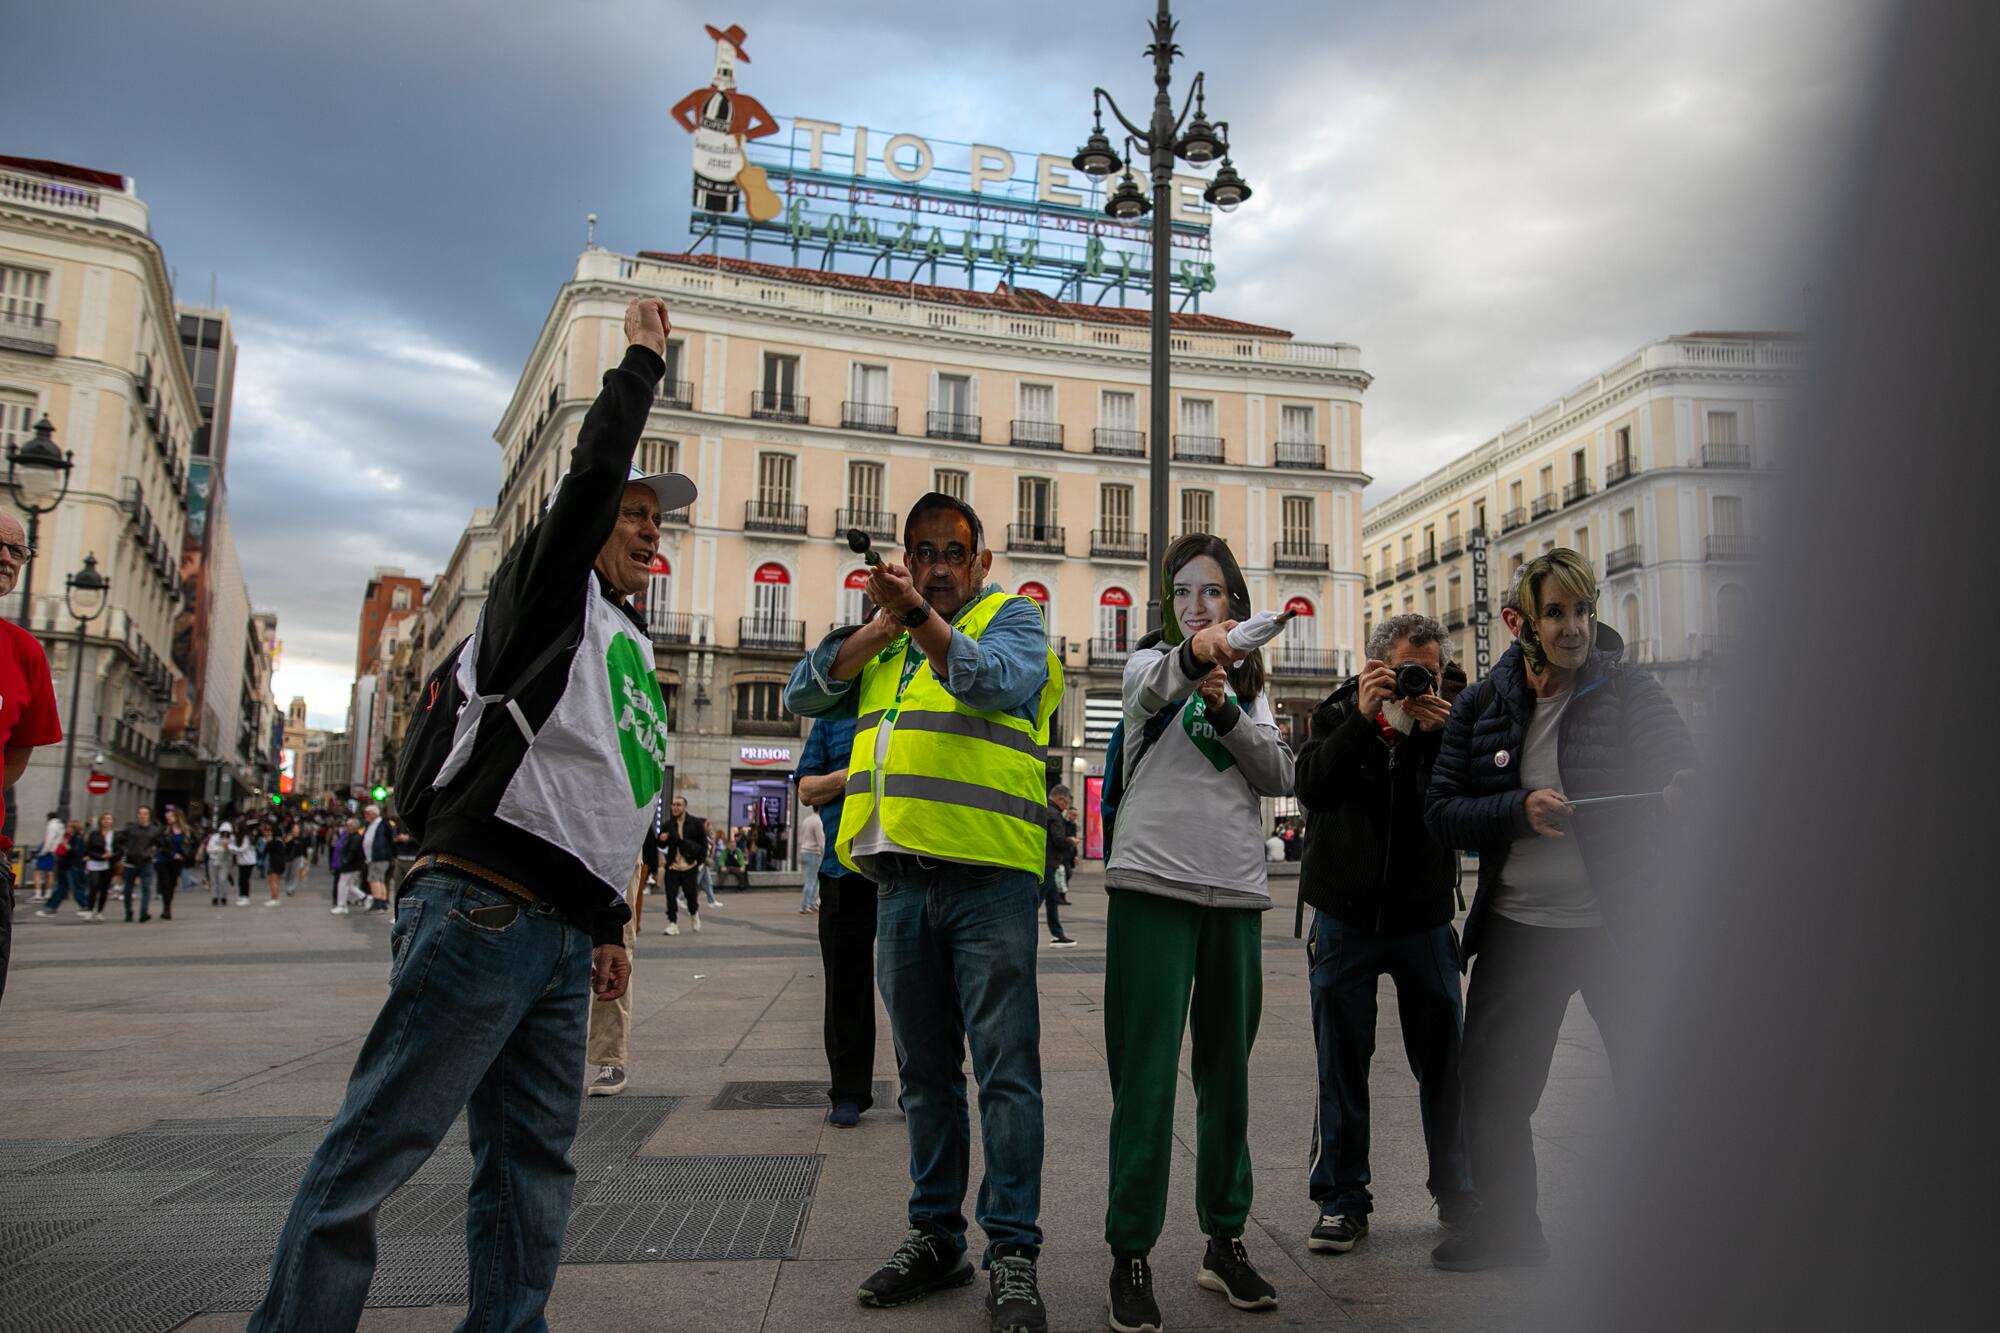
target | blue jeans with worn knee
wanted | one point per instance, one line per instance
(142, 871)
(809, 893)
(486, 1017)
(955, 959)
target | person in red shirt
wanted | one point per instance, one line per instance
(27, 714)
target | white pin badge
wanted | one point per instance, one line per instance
(1502, 759)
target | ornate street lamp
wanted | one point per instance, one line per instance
(38, 472)
(86, 591)
(1163, 140)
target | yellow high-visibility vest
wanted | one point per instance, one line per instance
(959, 783)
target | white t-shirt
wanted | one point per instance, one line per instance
(1274, 848)
(812, 833)
(1544, 882)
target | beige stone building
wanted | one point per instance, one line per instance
(805, 403)
(89, 340)
(1657, 470)
(452, 606)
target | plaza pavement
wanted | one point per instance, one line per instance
(240, 1012)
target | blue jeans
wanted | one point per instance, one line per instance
(486, 1018)
(1347, 963)
(143, 872)
(956, 962)
(71, 883)
(809, 893)
(1051, 890)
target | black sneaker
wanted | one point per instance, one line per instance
(922, 1264)
(1226, 1268)
(1336, 1233)
(1487, 1245)
(1013, 1297)
(1133, 1309)
(1457, 1211)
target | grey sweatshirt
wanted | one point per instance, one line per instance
(1191, 825)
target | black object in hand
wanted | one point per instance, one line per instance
(858, 542)
(1413, 680)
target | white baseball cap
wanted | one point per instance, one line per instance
(671, 489)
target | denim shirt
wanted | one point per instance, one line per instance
(827, 747)
(1003, 671)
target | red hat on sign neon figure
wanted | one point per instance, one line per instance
(721, 119)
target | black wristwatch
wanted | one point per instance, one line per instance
(914, 618)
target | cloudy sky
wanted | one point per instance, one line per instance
(1494, 200)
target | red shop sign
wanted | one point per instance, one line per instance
(1035, 592)
(1115, 597)
(772, 573)
(1299, 606)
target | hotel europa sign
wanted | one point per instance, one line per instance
(913, 207)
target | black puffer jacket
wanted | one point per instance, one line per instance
(1620, 734)
(1370, 859)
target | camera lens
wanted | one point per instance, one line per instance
(1413, 679)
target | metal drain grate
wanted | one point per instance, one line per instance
(17, 1155)
(786, 1096)
(156, 1235)
(53, 1197)
(23, 1236)
(162, 1152)
(712, 1179)
(653, 1232)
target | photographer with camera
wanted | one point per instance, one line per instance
(1381, 889)
(1561, 719)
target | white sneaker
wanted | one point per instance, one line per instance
(44, 912)
(672, 929)
(340, 911)
(83, 912)
(697, 923)
(270, 902)
(242, 902)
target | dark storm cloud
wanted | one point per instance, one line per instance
(1494, 201)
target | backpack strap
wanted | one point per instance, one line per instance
(508, 696)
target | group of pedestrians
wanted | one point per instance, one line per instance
(83, 866)
(941, 847)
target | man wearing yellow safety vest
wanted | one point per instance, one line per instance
(952, 686)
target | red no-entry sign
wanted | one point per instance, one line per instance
(99, 784)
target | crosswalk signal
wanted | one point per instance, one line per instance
(378, 792)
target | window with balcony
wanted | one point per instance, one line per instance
(674, 390)
(1197, 511)
(17, 417)
(1298, 437)
(1723, 448)
(399, 599)
(774, 479)
(867, 406)
(1035, 425)
(864, 488)
(24, 317)
(1114, 620)
(954, 413)
(1118, 424)
(660, 595)
(780, 400)
(1296, 525)
(1197, 440)
(950, 481)
(1115, 508)
(1722, 428)
(657, 455)
(760, 708)
(1035, 508)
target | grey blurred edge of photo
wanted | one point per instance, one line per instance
(1806, 1120)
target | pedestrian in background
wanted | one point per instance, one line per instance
(244, 851)
(683, 847)
(1381, 886)
(101, 862)
(45, 858)
(812, 846)
(169, 855)
(70, 875)
(137, 843)
(380, 852)
(218, 863)
(349, 864)
(846, 926)
(276, 860)
(1184, 932)
(1059, 843)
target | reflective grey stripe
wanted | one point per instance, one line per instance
(871, 720)
(967, 794)
(959, 724)
(856, 783)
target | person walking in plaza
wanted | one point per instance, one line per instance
(243, 850)
(378, 847)
(1381, 888)
(1184, 930)
(45, 858)
(812, 848)
(169, 855)
(1057, 816)
(952, 684)
(101, 858)
(349, 864)
(607, 1043)
(514, 912)
(218, 863)
(277, 860)
(71, 882)
(27, 714)
(1563, 891)
(683, 847)
(138, 841)
(846, 926)
(298, 852)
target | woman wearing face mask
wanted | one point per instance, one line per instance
(1560, 719)
(1188, 890)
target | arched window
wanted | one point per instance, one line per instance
(1295, 646)
(854, 597)
(771, 595)
(1114, 619)
(660, 594)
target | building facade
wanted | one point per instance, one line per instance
(391, 595)
(89, 340)
(1657, 470)
(458, 593)
(807, 403)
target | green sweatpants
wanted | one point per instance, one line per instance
(1158, 951)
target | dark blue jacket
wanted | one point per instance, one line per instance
(1620, 734)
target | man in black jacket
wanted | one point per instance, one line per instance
(1381, 889)
(683, 848)
(513, 912)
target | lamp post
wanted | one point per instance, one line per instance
(86, 591)
(38, 473)
(1163, 140)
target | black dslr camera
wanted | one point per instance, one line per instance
(1413, 680)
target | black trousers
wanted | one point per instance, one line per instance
(169, 875)
(847, 957)
(6, 922)
(682, 884)
(1522, 980)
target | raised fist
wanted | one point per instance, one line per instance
(646, 324)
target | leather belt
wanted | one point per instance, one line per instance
(478, 872)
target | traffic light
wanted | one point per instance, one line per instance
(277, 799)
(378, 792)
